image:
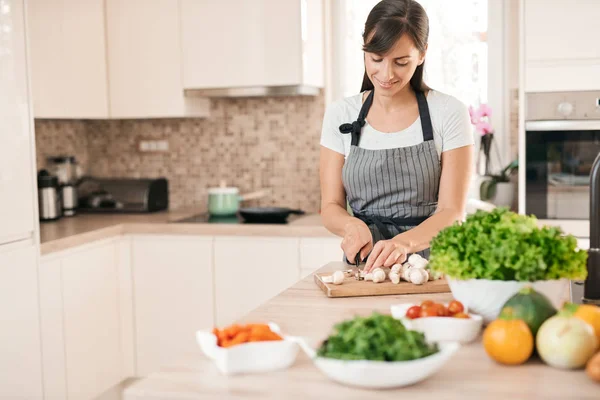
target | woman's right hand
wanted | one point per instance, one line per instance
(357, 238)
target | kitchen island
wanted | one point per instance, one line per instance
(303, 310)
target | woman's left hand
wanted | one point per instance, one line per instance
(387, 253)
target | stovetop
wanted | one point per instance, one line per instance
(205, 218)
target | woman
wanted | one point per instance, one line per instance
(399, 153)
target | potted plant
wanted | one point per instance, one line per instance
(495, 188)
(498, 189)
(492, 255)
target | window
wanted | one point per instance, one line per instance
(457, 56)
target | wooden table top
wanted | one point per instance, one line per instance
(304, 310)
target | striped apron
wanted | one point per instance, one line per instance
(392, 190)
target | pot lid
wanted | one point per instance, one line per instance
(223, 190)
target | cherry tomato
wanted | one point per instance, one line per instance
(413, 312)
(428, 312)
(455, 307)
(441, 310)
(461, 315)
(426, 304)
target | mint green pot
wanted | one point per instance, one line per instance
(223, 201)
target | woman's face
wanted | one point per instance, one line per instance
(390, 72)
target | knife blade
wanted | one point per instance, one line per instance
(357, 275)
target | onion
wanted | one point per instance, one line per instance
(565, 342)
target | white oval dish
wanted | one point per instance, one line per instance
(381, 374)
(253, 357)
(441, 329)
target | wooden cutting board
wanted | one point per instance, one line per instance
(353, 288)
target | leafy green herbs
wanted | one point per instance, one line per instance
(503, 245)
(378, 337)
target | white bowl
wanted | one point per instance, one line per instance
(381, 374)
(250, 357)
(486, 297)
(441, 329)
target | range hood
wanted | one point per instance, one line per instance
(254, 91)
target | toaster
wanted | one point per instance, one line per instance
(123, 195)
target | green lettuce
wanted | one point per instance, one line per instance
(503, 245)
(377, 337)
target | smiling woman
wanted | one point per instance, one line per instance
(398, 153)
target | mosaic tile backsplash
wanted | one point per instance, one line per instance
(251, 143)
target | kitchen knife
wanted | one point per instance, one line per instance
(357, 275)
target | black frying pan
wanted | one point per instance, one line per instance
(267, 215)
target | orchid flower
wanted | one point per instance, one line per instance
(485, 110)
(480, 118)
(484, 127)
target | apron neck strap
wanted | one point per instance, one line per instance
(360, 122)
(357, 125)
(425, 117)
(364, 110)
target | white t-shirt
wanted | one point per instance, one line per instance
(449, 117)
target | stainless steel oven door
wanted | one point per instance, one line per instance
(559, 157)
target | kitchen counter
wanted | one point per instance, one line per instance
(85, 228)
(305, 311)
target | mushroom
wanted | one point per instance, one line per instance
(337, 278)
(394, 277)
(379, 274)
(418, 276)
(369, 277)
(417, 261)
(404, 271)
(396, 268)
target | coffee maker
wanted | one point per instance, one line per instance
(66, 169)
(50, 203)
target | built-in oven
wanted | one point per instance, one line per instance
(562, 140)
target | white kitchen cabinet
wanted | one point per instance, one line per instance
(91, 320)
(68, 58)
(20, 363)
(144, 61)
(250, 270)
(17, 207)
(240, 43)
(52, 332)
(126, 305)
(105, 59)
(561, 45)
(318, 251)
(86, 319)
(173, 297)
(82, 301)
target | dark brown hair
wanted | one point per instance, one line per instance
(386, 23)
